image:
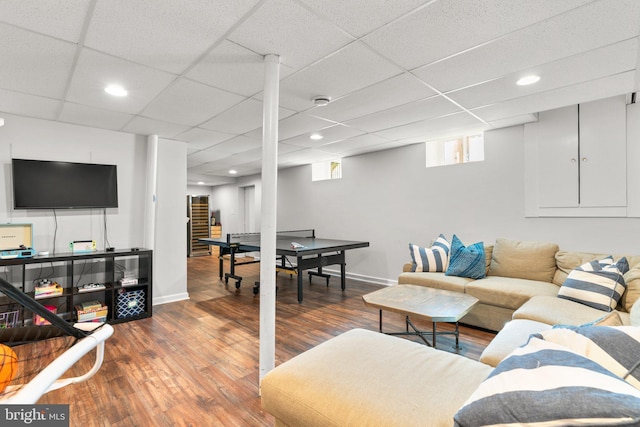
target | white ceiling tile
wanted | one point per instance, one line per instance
(23, 104)
(233, 68)
(168, 35)
(203, 138)
(39, 65)
(176, 104)
(237, 144)
(357, 66)
(594, 64)
(580, 30)
(618, 84)
(433, 127)
(330, 135)
(356, 143)
(447, 27)
(297, 124)
(242, 118)
(95, 117)
(359, 17)
(412, 112)
(512, 121)
(390, 93)
(145, 126)
(95, 71)
(62, 19)
(284, 28)
(205, 156)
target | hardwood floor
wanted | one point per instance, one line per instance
(195, 362)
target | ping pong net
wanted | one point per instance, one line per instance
(239, 238)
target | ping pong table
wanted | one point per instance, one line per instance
(309, 252)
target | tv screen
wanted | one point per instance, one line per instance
(39, 184)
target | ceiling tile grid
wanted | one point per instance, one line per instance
(398, 72)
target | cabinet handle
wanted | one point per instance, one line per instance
(584, 159)
(573, 160)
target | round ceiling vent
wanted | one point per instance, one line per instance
(321, 101)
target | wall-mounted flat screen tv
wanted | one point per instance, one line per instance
(41, 184)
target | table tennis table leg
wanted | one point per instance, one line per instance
(299, 267)
(343, 273)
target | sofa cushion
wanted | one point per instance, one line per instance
(514, 334)
(546, 383)
(466, 261)
(617, 348)
(508, 292)
(435, 280)
(524, 260)
(558, 311)
(598, 284)
(634, 315)
(434, 259)
(632, 279)
(366, 378)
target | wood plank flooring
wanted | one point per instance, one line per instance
(195, 362)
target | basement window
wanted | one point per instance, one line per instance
(331, 169)
(454, 151)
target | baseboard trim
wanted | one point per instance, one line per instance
(170, 298)
(362, 277)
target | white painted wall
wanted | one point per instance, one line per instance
(22, 137)
(390, 199)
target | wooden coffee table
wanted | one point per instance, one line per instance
(434, 305)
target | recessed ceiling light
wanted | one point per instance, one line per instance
(527, 80)
(116, 90)
(233, 171)
(200, 182)
(1, 121)
(316, 136)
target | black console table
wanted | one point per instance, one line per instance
(71, 271)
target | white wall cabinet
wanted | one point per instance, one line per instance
(576, 161)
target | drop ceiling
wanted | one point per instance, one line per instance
(398, 71)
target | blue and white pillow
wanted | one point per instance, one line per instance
(598, 284)
(543, 383)
(617, 348)
(466, 261)
(433, 259)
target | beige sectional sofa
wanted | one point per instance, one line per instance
(524, 278)
(364, 378)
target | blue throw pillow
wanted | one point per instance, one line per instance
(466, 261)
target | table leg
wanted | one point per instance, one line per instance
(342, 272)
(380, 321)
(299, 281)
(434, 334)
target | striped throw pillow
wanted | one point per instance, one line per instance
(598, 284)
(466, 261)
(617, 348)
(543, 383)
(433, 259)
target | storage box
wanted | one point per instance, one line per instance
(130, 303)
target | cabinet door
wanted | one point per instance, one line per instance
(558, 184)
(603, 164)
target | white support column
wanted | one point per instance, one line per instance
(269, 214)
(150, 192)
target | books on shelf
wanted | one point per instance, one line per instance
(47, 291)
(92, 311)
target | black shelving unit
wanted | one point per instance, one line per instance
(71, 270)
